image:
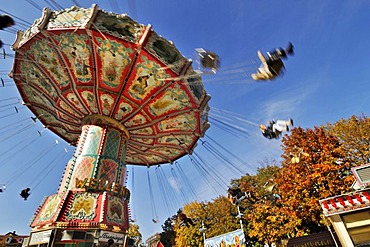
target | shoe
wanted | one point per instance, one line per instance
(262, 58)
(290, 49)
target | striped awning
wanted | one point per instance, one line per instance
(346, 203)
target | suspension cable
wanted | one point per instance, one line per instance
(203, 173)
(235, 116)
(171, 192)
(187, 183)
(221, 157)
(17, 132)
(48, 171)
(209, 170)
(34, 4)
(20, 171)
(114, 6)
(163, 193)
(11, 151)
(230, 153)
(234, 127)
(154, 211)
(177, 181)
(133, 190)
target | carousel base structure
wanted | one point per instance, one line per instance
(80, 218)
(75, 237)
(91, 205)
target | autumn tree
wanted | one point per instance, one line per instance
(317, 173)
(134, 233)
(218, 217)
(168, 235)
(312, 167)
(271, 223)
(221, 217)
(265, 217)
(354, 135)
(190, 235)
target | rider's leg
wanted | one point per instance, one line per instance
(281, 125)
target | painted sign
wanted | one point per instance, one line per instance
(232, 239)
(117, 237)
(322, 239)
(99, 185)
(40, 237)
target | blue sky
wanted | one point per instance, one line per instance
(327, 79)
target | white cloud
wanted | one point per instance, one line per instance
(174, 184)
(288, 102)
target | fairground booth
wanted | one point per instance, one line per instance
(349, 213)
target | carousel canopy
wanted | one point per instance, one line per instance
(78, 63)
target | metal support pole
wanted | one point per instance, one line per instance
(203, 231)
(240, 218)
(125, 240)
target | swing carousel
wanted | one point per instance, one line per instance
(119, 92)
